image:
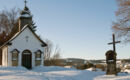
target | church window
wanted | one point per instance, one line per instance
(15, 54)
(38, 55)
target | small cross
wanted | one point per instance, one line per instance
(25, 2)
(114, 43)
(27, 38)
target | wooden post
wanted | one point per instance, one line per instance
(114, 43)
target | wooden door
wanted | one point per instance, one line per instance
(27, 59)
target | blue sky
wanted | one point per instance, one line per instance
(81, 28)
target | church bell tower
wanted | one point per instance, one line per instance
(25, 17)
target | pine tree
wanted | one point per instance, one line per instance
(33, 26)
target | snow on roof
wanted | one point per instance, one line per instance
(17, 33)
(26, 15)
(44, 44)
(13, 36)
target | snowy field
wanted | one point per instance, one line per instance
(56, 73)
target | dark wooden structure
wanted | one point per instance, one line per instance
(114, 42)
(27, 59)
(111, 62)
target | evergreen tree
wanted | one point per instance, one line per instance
(33, 26)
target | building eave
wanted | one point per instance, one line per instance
(17, 34)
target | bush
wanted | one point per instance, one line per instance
(53, 62)
(100, 66)
(85, 66)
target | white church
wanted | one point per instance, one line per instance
(25, 48)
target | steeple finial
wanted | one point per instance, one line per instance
(25, 1)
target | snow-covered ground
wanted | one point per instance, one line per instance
(56, 73)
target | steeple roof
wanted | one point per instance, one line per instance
(26, 12)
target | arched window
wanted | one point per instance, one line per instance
(38, 55)
(15, 53)
(26, 52)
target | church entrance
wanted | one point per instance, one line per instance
(27, 59)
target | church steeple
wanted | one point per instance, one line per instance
(25, 2)
(25, 17)
(26, 10)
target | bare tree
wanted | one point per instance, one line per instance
(122, 26)
(8, 19)
(8, 24)
(57, 53)
(48, 49)
(49, 53)
(52, 56)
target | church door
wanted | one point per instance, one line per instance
(27, 59)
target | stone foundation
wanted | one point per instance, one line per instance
(15, 63)
(37, 62)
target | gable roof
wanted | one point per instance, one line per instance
(18, 33)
